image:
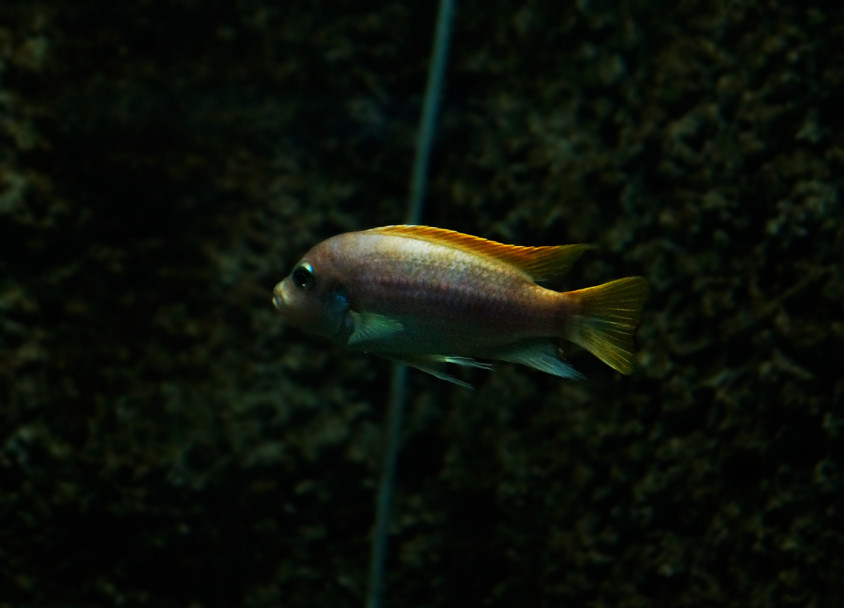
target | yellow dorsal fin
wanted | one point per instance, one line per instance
(539, 263)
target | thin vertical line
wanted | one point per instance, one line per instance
(424, 143)
(385, 488)
(395, 414)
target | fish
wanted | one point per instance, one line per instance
(432, 298)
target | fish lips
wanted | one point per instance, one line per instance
(278, 297)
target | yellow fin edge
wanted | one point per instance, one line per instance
(539, 263)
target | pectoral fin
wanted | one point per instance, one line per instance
(371, 329)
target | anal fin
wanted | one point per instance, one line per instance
(539, 354)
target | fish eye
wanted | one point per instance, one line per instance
(303, 276)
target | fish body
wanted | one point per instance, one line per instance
(428, 296)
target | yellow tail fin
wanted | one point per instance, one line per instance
(606, 317)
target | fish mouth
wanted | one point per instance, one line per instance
(278, 298)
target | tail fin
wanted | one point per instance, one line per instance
(606, 317)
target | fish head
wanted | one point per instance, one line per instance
(312, 297)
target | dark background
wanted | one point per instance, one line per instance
(165, 441)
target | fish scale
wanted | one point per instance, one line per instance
(460, 291)
(424, 280)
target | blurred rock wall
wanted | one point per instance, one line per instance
(166, 441)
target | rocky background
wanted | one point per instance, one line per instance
(165, 441)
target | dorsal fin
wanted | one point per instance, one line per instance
(539, 263)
